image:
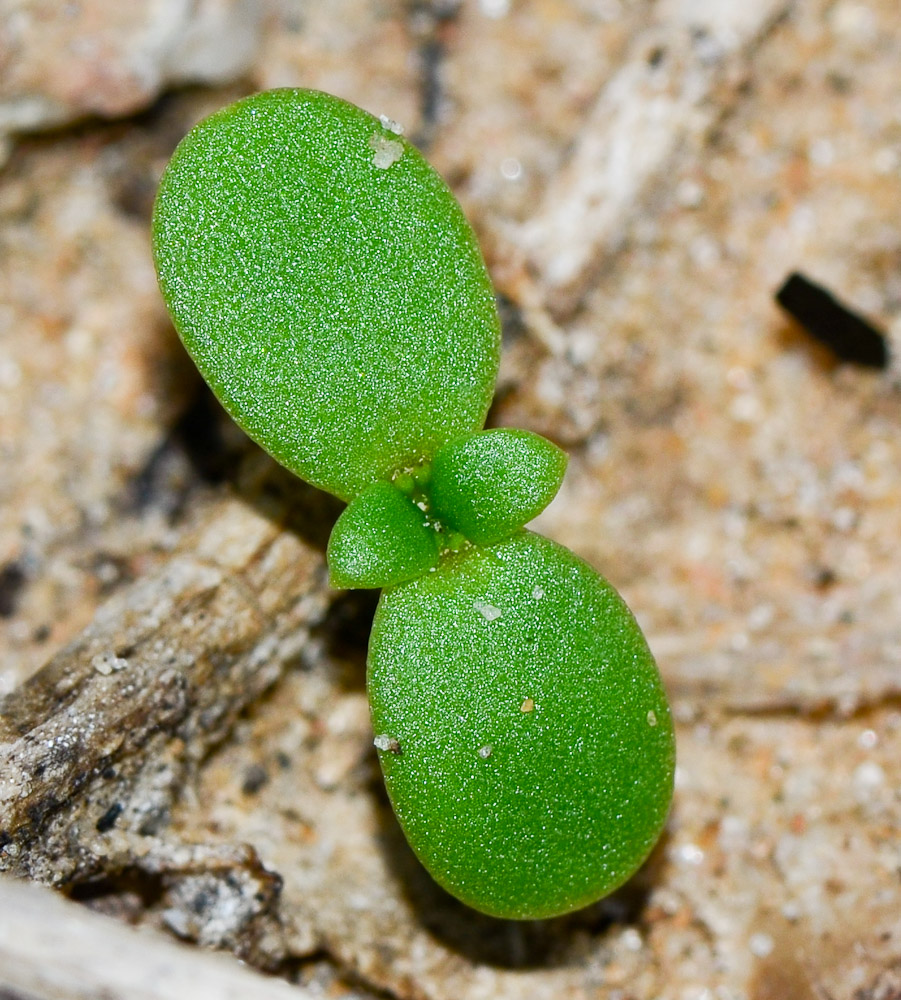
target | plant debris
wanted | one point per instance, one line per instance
(849, 336)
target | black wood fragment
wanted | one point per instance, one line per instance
(12, 581)
(108, 820)
(849, 336)
(255, 777)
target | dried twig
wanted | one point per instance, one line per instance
(52, 949)
(95, 747)
(659, 96)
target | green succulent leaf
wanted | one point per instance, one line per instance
(327, 285)
(489, 484)
(524, 734)
(380, 539)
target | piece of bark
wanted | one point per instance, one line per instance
(52, 949)
(65, 62)
(101, 740)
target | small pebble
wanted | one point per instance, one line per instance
(690, 854)
(511, 169)
(761, 945)
(868, 776)
(631, 939)
(107, 663)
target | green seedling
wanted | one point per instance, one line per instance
(328, 287)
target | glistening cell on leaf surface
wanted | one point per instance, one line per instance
(327, 285)
(536, 748)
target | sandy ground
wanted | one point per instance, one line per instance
(643, 177)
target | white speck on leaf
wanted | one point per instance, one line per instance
(652, 718)
(485, 752)
(528, 705)
(389, 743)
(385, 151)
(538, 593)
(391, 125)
(488, 611)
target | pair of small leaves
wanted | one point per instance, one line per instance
(329, 289)
(481, 488)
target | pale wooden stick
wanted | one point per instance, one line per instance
(659, 97)
(53, 949)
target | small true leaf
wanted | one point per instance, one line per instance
(488, 484)
(380, 539)
(327, 285)
(535, 753)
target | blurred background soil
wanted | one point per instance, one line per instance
(643, 176)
